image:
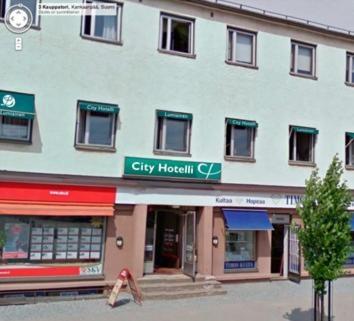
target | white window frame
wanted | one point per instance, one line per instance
(35, 22)
(232, 151)
(93, 19)
(87, 130)
(296, 52)
(350, 66)
(233, 44)
(161, 136)
(168, 39)
(29, 132)
(312, 150)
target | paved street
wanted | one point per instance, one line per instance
(247, 302)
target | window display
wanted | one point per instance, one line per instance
(239, 250)
(51, 239)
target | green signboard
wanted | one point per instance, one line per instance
(99, 107)
(163, 168)
(305, 130)
(242, 122)
(174, 115)
(17, 105)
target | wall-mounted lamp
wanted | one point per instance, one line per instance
(119, 241)
(215, 241)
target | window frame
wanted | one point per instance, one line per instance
(255, 254)
(250, 158)
(162, 137)
(87, 145)
(313, 149)
(294, 59)
(233, 49)
(170, 17)
(118, 41)
(27, 140)
(348, 149)
(6, 4)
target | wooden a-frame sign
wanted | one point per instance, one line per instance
(123, 276)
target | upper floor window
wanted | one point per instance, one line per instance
(240, 138)
(173, 132)
(176, 34)
(349, 149)
(16, 116)
(303, 59)
(96, 125)
(349, 75)
(241, 47)
(302, 144)
(106, 28)
(30, 4)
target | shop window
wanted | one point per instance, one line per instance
(241, 47)
(240, 138)
(176, 34)
(16, 129)
(51, 239)
(101, 27)
(30, 4)
(349, 75)
(240, 250)
(173, 132)
(350, 260)
(303, 59)
(95, 128)
(302, 144)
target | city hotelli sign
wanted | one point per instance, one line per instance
(163, 168)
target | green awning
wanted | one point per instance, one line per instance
(16, 105)
(242, 122)
(174, 115)
(305, 130)
(99, 107)
(350, 135)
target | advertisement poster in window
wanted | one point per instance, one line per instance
(17, 241)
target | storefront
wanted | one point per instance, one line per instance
(52, 232)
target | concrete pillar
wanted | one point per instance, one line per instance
(204, 240)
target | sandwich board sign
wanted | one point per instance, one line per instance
(125, 276)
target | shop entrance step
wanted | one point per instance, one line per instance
(167, 287)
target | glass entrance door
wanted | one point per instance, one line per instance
(188, 263)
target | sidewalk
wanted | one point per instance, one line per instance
(266, 301)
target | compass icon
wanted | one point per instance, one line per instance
(18, 18)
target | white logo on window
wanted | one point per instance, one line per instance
(8, 101)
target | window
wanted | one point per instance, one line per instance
(241, 47)
(349, 76)
(96, 124)
(349, 149)
(30, 4)
(51, 239)
(302, 144)
(100, 27)
(240, 250)
(176, 34)
(14, 128)
(303, 59)
(240, 138)
(350, 260)
(173, 132)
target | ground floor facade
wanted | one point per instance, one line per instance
(71, 237)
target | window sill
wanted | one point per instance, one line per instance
(349, 84)
(240, 159)
(172, 153)
(255, 270)
(232, 63)
(291, 73)
(34, 27)
(111, 42)
(15, 141)
(95, 148)
(349, 167)
(177, 53)
(299, 163)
